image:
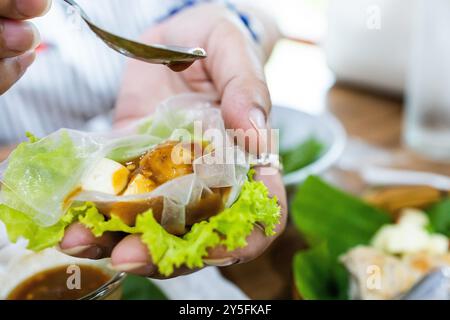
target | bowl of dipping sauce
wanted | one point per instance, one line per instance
(51, 275)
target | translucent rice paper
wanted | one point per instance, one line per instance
(38, 177)
(43, 190)
(183, 118)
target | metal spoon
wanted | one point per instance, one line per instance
(176, 58)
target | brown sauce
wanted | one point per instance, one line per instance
(158, 167)
(210, 204)
(168, 161)
(179, 66)
(52, 284)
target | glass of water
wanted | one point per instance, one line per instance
(427, 118)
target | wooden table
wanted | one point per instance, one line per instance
(370, 117)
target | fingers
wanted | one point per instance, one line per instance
(17, 37)
(257, 242)
(245, 105)
(11, 69)
(79, 242)
(132, 256)
(17, 41)
(274, 183)
(23, 9)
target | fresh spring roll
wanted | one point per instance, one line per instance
(174, 178)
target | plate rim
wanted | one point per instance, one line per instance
(330, 157)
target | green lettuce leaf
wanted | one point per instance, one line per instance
(301, 155)
(332, 222)
(440, 217)
(132, 147)
(39, 238)
(140, 288)
(42, 172)
(318, 276)
(324, 213)
(230, 228)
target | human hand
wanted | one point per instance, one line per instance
(234, 73)
(18, 38)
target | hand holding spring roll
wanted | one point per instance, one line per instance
(234, 75)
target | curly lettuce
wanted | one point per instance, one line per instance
(20, 225)
(229, 228)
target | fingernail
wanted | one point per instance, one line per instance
(225, 262)
(26, 59)
(129, 267)
(47, 9)
(259, 122)
(16, 36)
(23, 7)
(90, 250)
(257, 118)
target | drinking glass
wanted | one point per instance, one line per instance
(427, 118)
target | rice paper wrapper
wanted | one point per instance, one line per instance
(40, 179)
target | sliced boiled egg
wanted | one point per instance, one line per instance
(139, 185)
(107, 176)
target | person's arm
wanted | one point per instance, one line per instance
(18, 38)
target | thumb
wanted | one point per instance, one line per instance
(246, 105)
(238, 74)
(12, 69)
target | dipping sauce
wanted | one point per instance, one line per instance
(51, 284)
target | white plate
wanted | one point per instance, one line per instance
(296, 126)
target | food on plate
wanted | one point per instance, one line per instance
(162, 163)
(410, 235)
(107, 176)
(395, 199)
(360, 251)
(162, 178)
(402, 252)
(301, 155)
(397, 275)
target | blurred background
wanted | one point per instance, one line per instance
(366, 80)
(394, 49)
(382, 68)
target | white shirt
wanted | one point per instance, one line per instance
(75, 76)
